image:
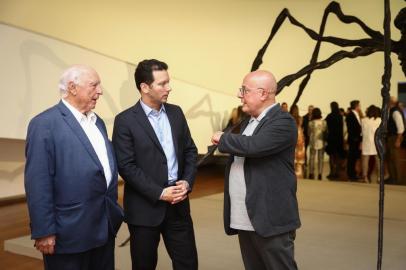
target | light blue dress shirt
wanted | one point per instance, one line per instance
(160, 123)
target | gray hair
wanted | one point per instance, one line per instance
(72, 74)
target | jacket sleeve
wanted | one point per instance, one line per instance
(127, 165)
(189, 154)
(39, 178)
(273, 137)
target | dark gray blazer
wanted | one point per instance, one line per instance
(269, 173)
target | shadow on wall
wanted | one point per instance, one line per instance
(31, 68)
(215, 118)
(30, 49)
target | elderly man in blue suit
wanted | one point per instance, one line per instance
(71, 179)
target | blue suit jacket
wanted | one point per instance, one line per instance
(67, 193)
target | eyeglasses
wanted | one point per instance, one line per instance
(244, 90)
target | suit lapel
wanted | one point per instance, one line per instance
(244, 124)
(146, 125)
(268, 115)
(108, 145)
(79, 132)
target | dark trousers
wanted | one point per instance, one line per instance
(334, 162)
(267, 253)
(178, 235)
(393, 158)
(100, 258)
(354, 153)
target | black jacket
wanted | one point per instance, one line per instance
(353, 129)
(143, 166)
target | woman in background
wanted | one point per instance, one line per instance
(300, 146)
(369, 126)
(317, 131)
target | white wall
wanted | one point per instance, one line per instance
(11, 168)
(32, 66)
(209, 46)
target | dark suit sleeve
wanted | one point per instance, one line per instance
(189, 154)
(272, 138)
(353, 128)
(39, 178)
(127, 165)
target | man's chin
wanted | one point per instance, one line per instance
(92, 107)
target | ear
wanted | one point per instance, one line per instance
(265, 95)
(144, 88)
(72, 88)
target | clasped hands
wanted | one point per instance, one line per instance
(177, 193)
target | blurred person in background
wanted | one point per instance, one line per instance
(335, 140)
(316, 132)
(300, 146)
(369, 124)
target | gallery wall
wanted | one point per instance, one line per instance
(209, 46)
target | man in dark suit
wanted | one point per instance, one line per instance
(157, 159)
(260, 202)
(71, 179)
(353, 121)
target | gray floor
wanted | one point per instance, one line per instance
(339, 230)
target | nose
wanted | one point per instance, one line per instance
(239, 95)
(99, 90)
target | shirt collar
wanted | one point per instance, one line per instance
(263, 113)
(80, 117)
(148, 110)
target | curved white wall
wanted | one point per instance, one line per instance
(209, 46)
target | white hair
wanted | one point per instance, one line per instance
(72, 74)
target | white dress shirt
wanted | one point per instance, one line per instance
(369, 127)
(397, 117)
(88, 123)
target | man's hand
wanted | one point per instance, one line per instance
(46, 244)
(175, 194)
(216, 137)
(184, 187)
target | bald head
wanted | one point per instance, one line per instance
(257, 92)
(262, 79)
